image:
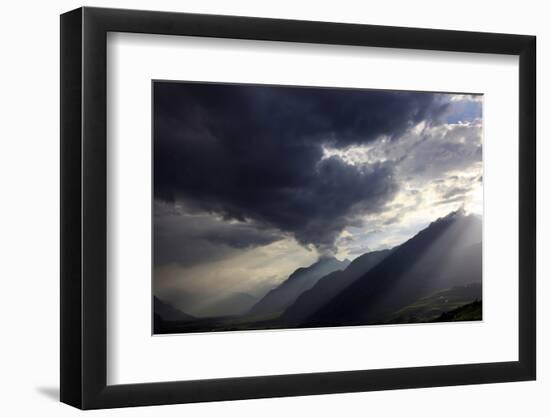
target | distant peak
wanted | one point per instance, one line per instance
(460, 212)
(325, 258)
(330, 259)
(453, 215)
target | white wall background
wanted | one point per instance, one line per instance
(29, 237)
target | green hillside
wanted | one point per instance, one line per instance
(441, 304)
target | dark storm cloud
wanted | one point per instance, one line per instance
(241, 237)
(189, 239)
(255, 153)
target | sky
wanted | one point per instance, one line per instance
(252, 181)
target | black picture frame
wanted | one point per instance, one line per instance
(84, 207)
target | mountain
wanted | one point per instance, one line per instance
(235, 303)
(440, 304)
(169, 313)
(331, 285)
(445, 254)
(278, 299)
(468, 312)
(180, 299)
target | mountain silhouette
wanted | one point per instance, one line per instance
(434, 276)
(234, 303)
(445, 254)
(331, 285)
(278, 299)
(167, 312)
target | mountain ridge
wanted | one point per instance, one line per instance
(437, 269)
(302, 279)
(331, 285)
(168, 312)
(430, 260)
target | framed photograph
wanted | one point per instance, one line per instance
(257, 208)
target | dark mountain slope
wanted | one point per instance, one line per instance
(278, 299)
(445, 254)
(167, 312)
(331, 285)
(429, 309)
(468, 312)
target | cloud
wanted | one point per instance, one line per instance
(256, 154)
(443, 149)
(464, 108)
(186, 238)
(455, 192)
(253, 270)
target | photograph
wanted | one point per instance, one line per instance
(334, 204)
(284, 207)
